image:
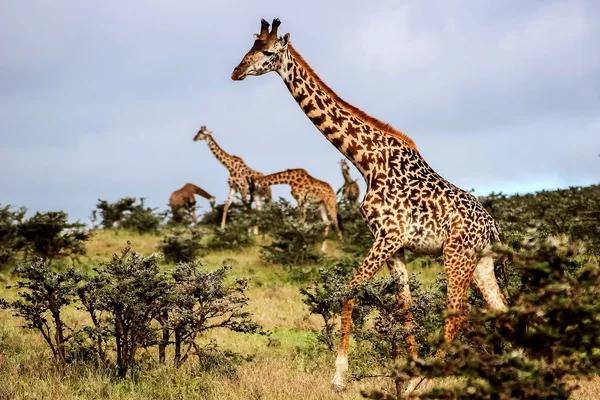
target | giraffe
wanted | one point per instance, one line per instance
(305, 190)
(184, 197)
(408, 205)
(241, 177)
(350, 190)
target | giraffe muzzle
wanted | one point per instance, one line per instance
(237, 74)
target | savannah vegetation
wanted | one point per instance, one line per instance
(142, 307)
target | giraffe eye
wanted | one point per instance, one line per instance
(268, 53)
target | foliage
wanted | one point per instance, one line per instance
(50, 236)
(574, 212)
(548, 336)
(133, 305)
(357, 238)
(10, 240)
(235, 235)
(181, 245)
(112, 214)
(125, 214)
(42, 301)
(294, 243)
(214, 216)
(323, 295)
(203, 301)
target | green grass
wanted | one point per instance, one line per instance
(285, 366)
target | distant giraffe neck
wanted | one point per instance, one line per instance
(226, 159)
(346, 175)
(200, 192)
(279, 178)
(349, 129)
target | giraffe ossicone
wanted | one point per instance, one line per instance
(407, 205)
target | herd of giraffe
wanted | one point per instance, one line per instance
(407, 206)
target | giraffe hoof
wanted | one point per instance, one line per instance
(338, 387)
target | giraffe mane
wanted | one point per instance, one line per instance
(360, 114)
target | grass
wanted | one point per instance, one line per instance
(286, 365)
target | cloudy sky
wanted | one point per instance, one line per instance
(99, 100)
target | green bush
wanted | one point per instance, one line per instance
(549, 335)
(181, 245)
(125, 214)
(10, 240)
(133, 305)
(50, 236)
(294, 243)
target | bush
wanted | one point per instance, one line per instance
(50, 236)
(132, 305)
(294, 243)
(181, 245)
(357, 238)
(10, 240)
(550, 334)
(125, 214)
(234, 236)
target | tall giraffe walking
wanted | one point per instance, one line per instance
(241, 177)
(185, 197)
(307, 190)
(407, 205)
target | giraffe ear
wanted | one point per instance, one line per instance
(286, 39)
(256, 36)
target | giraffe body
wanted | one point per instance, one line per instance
(407, 205)
(306, 190)
(186, 197)
(241, 177)
(350, 189)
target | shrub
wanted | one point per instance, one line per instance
(357, 238)
(549, 335)
(235, 235)
(10, 240)
(133, 305)
(294, 243)
(181, 245)
(41, 304)
(125, 214)
(50, 236)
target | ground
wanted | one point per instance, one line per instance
(284, 367)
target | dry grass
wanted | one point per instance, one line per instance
(287, 366)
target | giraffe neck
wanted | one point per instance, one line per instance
(354, 133)
(200, 192)
(278, 178)
(221, 155)
(346, 175)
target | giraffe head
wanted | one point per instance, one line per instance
(344, 164)
(202, 134)
(266, 53)
(212, 202)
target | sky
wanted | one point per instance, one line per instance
(101, 100)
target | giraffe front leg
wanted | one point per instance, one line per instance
(227, 205)
(258, 201)
(397, 266)
(326, 222)
(381, 251)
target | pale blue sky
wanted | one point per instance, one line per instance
(102, 100)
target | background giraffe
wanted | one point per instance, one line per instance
(350, 190)
(241, 177)
(307, 190)
(185, 197)
(407, 204)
